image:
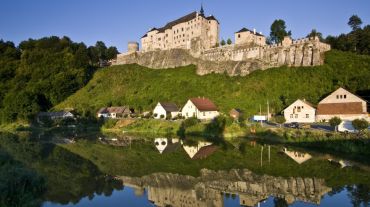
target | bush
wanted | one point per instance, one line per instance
(360, 124)
(190, 122)
(110, 123)
(161, 116)
(334, 122)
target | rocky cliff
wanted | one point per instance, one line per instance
(179, 190)
(231, 59)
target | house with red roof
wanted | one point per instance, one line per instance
(343, 104)
(201, 108)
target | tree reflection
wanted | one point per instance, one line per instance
(359, 194)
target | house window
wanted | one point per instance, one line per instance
(296, 116)
(341, 96)
(291, 116)
(337, 96)
(204, 113)
(345, 96)
(307, 116)
(238, 35)
(299, 109)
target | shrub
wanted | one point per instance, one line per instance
(109, 123)
(360, 124)
(190, 122)
(161, 116)
(334, 122)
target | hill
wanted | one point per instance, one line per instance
(142, 87)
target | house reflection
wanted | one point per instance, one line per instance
(197, 150)
(299, 157)
(165, 145)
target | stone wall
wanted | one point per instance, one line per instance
(179, 190)
(232, 59)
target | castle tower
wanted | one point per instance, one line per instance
(201, 9)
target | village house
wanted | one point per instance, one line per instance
(54, 115)
(200, 151)
(343, 104)
(235, 113)
(165, 110)
(165, 145)
(300, 111)
(200, 108)
(299, 157)
(114, 112)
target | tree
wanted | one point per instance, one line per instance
(112, 53)
(229, 42)
(360, 124)
(315, 33)
(334, 122)
(223, 42)
(280, 119)
(354, 22)
(278, 31)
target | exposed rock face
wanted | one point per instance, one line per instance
(231, 59)
(178, 190)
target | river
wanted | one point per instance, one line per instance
(167, 171)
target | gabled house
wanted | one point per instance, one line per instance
(235, 113)
(299, 157)
(343, 104)
(114, 112)
(55, 115)
(300, 111)
(165, 145)
(164, 110)
(201, 108)
(201, 150)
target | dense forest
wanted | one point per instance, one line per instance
(39, 74)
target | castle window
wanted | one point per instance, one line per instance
(345, 96)
(238, 35)
(182, 29)
(296, 116)
(209, 22)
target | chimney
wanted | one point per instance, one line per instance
(254, 31)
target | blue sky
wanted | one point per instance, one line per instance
(118, 21)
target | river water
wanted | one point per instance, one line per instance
(192, 172)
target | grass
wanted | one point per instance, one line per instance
(142, 88)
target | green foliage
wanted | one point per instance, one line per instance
(19, 186)
(109, 123)
(223, 42)
(315, 33)
(335, 121)
(279, 119)
(281, 86)
(354, 22)
(357, 41)
(278, 31)
(229, 41)
(41, 73)
(360, 124)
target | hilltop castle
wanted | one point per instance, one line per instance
(194, 39)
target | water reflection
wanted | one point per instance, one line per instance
(194, 149)
(165, 189)
(299, 157)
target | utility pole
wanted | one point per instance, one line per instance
(268, 110)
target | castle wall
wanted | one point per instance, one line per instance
(232, 59)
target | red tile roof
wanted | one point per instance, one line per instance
(205, 152)
(204, 104)
(340, 108)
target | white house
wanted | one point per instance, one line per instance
(299, 157)
(343, 104)
(300, 111)
(114, 112)
(201, 108)
(164, 110)
(166, 145)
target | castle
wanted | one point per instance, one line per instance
(194, 39)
